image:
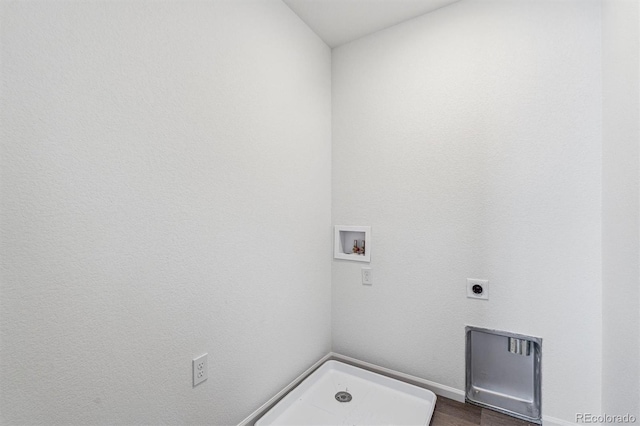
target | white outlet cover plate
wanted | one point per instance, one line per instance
(200, 369)
(367, 277)
(485, 289)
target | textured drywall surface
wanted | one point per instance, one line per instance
(620, 230)
(469, 139)
(165, 192)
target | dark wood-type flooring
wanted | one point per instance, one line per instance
(453, 413)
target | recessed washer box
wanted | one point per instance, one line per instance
(352, 243)
(504, 372)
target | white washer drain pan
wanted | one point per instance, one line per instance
(376, 400)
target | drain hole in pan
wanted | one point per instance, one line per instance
(343, 396)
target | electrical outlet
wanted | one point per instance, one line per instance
(477, 289)
(367, 277)
(200, 369)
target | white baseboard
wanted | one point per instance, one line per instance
(552, 421)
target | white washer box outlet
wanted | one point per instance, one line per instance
(477, 289)
(352, 243)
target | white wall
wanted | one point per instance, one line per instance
(470, 140)
(165, 192)
(620, 181)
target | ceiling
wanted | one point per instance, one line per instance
(341, 21)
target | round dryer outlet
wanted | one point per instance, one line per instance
(477, 289)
